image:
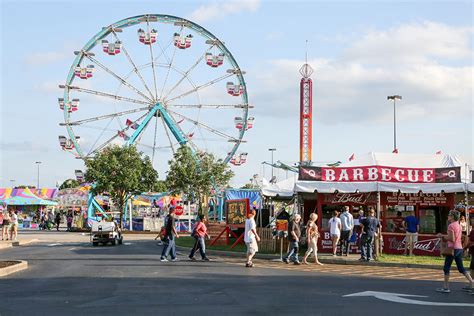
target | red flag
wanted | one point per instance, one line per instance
(128, 122)
(395, 151)
(191, 135)
(438, 152)
(351, 157)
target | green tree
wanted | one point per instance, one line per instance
(121, 171)
(249, 186)
(196, 174)
(160, 186)
(69, 184)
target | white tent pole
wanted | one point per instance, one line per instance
(378, 240)
(466, 197)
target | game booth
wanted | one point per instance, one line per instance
(395, 185)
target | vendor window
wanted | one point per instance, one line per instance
(394, 215)
(433, 219)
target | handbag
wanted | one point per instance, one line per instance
(445, 250)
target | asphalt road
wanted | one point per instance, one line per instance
(75, 278)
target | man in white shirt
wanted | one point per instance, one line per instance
(335, 230)
(251, 238)
(347, 221)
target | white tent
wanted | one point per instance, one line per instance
(392, 160)
(284, 188)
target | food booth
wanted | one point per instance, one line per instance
(396, 185)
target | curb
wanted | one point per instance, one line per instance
(321, 259)
(26, 242)
(22, 265)
(17, 243)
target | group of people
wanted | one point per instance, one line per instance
(49, 221)
(169, 235)
(341, 227)
(10, 225)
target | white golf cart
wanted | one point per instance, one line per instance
(105, 232)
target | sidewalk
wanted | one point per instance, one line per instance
(325, 258)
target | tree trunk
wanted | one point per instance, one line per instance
(121, 205)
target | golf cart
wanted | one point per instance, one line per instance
(105, 232)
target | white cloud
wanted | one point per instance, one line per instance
(24, 146)
(218, 10)
(416, 42)
(46, 58)
(433, 76)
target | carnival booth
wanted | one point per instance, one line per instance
(395, 185)
(74, 202)
(29, 205)
(278, 196)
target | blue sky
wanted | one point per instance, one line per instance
(361, 51)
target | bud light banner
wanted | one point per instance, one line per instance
(381, 174)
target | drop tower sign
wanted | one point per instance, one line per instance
(306, 114)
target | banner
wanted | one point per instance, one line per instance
(381, 174)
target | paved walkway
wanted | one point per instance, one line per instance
(359, 270)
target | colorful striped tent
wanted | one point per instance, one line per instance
(12, 196)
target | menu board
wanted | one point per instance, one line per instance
(420, 199)
(237, 211)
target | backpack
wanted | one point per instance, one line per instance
(193, 233)
(163, 228)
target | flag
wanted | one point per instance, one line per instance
(180, 121)
(395, 151)
(438, 152)
(123, 135)
(131, 124)
(351, 157)
(191, 135)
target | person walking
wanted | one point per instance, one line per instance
(347, 221)
(57, 220)
(312, 235)
(453, 239)
(6, 224)
(412, 226)
(371, 229)
(13, 225)
(200, 234)
(251, 237)
(469, 244)
(335, 230)
(294, 234)
(360, 231)
(463, 224)
(69, 222)
(170, 235)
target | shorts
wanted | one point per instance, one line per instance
(252, 247)
(335, 235)
(411, 237)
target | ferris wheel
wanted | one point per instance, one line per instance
(157, 82)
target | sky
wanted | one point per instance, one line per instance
(361, 52)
